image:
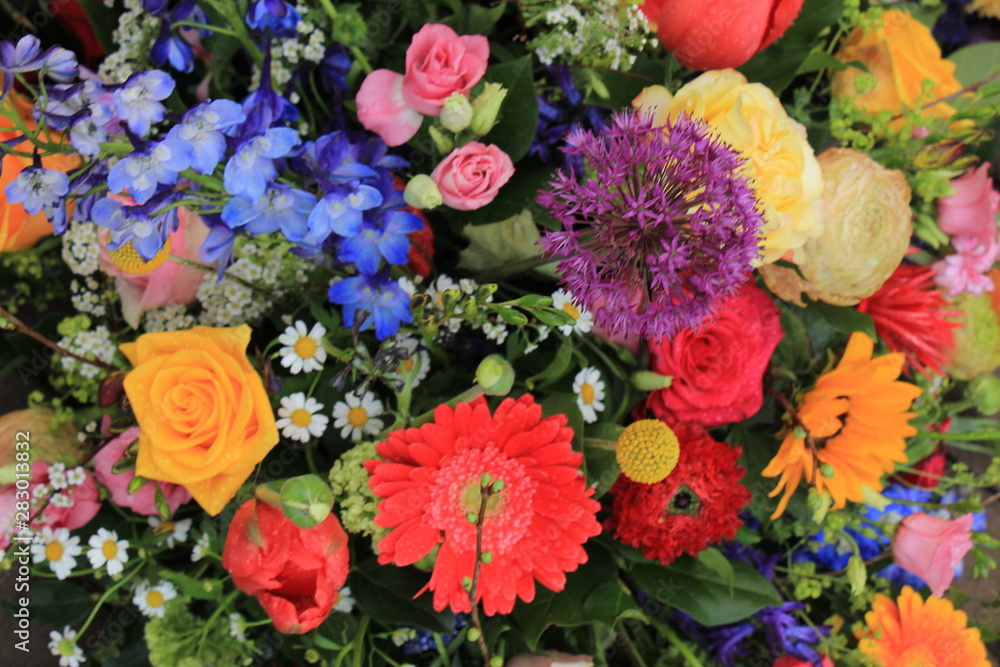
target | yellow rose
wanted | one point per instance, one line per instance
(781, 165)
(866, 231)
(985, 7)
(901, 54)
(205, 420)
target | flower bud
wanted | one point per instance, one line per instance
(456, 114)
(977, 341)
(422, 192)
(443, 142)
(495, 375)
(486, 107)
(650, 381)
(984, 391)
(857, 573)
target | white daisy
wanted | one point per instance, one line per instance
(355, 418)
(57, 476)
(59, 549)
(236, 627)
(345, 602)
(583, 319)
(417, 362)
(107, 549)
(76, 476)
(63, 646)
(176, 531)
(298, 418)
(200, 547)
(589, 390)
(150, 599)
(303, 351)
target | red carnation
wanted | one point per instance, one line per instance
(534, 527)
(698, 504)
(296, 573)
(718, 369)
(910, 316)
(421, 247)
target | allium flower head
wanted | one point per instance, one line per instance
(663, 226)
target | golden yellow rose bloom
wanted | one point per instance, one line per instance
(205, 420)
(781, 164)
(901, 54)
(989, 8)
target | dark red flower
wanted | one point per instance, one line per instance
(718, 368)
(73, 19)
(698, 504)
(931, 468)
(910, 317)
(421, 247)
(296, 573)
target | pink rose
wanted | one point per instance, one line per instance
(71, 505)
(471, 176)
(972, 210)
(142, 501)
(789, 661)
(931, 547)
(167, 284)
(439, 64)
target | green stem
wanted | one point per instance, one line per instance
(672, 637)
(114, 587)
(203, 26)
(993, 436)
(467, 395)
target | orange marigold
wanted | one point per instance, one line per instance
(854, 420)
(914, 631)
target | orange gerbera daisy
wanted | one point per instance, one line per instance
(854, 420)
(913, 632)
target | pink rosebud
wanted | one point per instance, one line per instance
(72, 505)
(142, 501)
(972, 210)
(471, 176)
(789, 661)
(931, 547)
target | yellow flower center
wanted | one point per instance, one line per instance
(647, 451)
(164, 527)
(357, 417)
(406, 365)
(570, 308)
(154, 598)
(587, 393)
(301, 417)
(109, 549)
(53, 551)
(127, 259)
(305, 347)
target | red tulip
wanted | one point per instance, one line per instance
(716, 34)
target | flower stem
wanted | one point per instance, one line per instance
(485, 492)
(25, 329)
(118, 584)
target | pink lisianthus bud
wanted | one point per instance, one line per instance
(931, 547)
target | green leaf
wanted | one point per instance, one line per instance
(609, 602)
(203, 589)
(843, 318)
(519, 113)
(696, 589)
(387, 593)
(336, 631)
(601, 464)
(103, 20)
(565, 404)
(794, 349)
(58, 603)
(558, 366)
(500, 243)
(975, 63)
(713, 559)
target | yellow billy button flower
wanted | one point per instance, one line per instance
(648, 451)
(128, 259)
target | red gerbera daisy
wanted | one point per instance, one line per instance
(698, 504)
(533, 528)
(909, 315)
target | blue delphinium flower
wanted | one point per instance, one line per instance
(331, 162)
(204, 128)
(280, 207)
(142, 171)
(276, 16)
(380, 233)
(170, 49)
(220, 244)
(36, 188)
(424, 639)
(138, 101)
(88, 130)
(341, 210)
(252, 167)
(335, 67)
(386, 304)
(56, 62)
(560, 115)
(134, 224)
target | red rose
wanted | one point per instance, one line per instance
(717, 369)
(716, 34)
(295, 573)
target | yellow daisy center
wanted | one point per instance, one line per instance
(305, 347)
(647, 451)
(570, 308)
(154, 598)
(127, 259)
(109, 549)
(587, 393)
(357, 416)
(406, 365)
(301, 417)
(54, 551)
(164, 527)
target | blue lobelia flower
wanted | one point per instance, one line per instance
(36, 188)
(341, 212)
(204, 128)
(135, 224)
(276, 16)
(137, 102)
(383, 300)
(250, 170)
(141, 172)
(281, 207)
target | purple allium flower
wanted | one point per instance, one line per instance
(138, 101)
(663, 226)
(36, 188)
(380, 298)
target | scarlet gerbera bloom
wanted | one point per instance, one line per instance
(914, 631)
(910, 316)
(534, 528)
(855, 420)
(696, 505)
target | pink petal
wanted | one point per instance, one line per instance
(382, 110)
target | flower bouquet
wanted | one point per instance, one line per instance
(503, 333)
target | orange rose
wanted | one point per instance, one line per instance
(18, 230)
(204, 416)
(901, 54)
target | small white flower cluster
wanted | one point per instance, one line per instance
(80, 248)
(95, 344)
(286, 53)
(606, 33)
(86, 298)
(134, 36)
(172, 317)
